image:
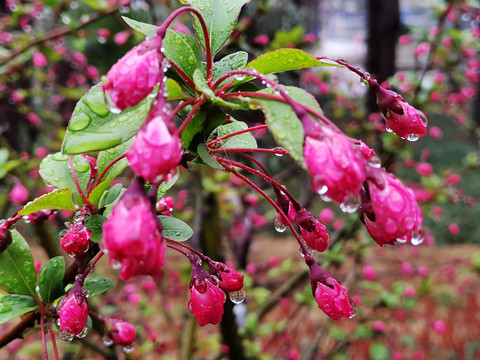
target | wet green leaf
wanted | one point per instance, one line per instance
(183, 50)
(378, 351)
(60, 199)
(174, 90)
(175, 229)
(140, 27)
(17, 271)
(50, 279)
(94, 223)
(207, 158)
(93, 127)
(97, 285)
(111, 195)
(12, 306)
(245, 140)
(228, 63)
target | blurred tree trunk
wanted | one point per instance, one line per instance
(383, 21)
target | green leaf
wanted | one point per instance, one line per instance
(245, 140)
(378, 351)
(17, 272)
(202, 86)
(50, 279)
(206, 157)
(94, 223)
(97, 285)
(285, 60)
(55, 171)
(111, 195)
(174, 90)
(282, 121)
(201, 126)
(183, 50)
(175, 229)
(166, 185)
(228, 63)
(141, 27)
(106, 157)
(60, 199)
(93, 127)
(220, 17)
(12, 306)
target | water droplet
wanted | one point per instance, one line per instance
(363, 80)
(114, 109)
(58, 321)
(238, 296)
(82, 167)
(418, 236)
(422, 117)
(354, 312)
(325, 198)
(82, 333)
(162, 49)
(351, 204)
(107, 341)
(323, 190)
(128, 349)
(96, 103)
(116, 265)
(239, 77)
(388, 129)
(79, 122)
(375, 162)
(279, 149)
(401, 240)
(66, 336)
(413, 137)
(279, 226)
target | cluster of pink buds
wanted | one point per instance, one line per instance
(313, 231)
(132, 235)
(76, 240)
(330, 295)
(120, 333)
(73, 314)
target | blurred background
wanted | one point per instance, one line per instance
(412, 302)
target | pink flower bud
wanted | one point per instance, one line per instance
(132, 235)
(406, 268)
(390, 211)
(423, 271)
(336, 168)
(261, 39)
(5, 236)
(379, 326)
(39, 60)
(331, 297)
(135, 75)
(76, 240)
(410, 292)
(154, 152)
(18, 194)
(369, 272)
(309, 38)
(400, 117)
(318, 238)
(422, 49)
(206, 303)
(452, 180)
(453, 229)
(121, 37)
(435, 132)
(122, 333)
(103, 32)
(326, 215)
(231, 280)
(73, 312)
(424, 169)
(404, 39)
(439, 327)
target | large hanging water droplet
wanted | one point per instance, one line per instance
(107, 341)
(280, 149)
(323, 190)
(279, 226)
(375, 162)
(238, 296)
(66, 336)
(82, 333)
(351, 204)
(354, 312)
(388, 129)
(96, 103)
(401, 240)
(128, 349)
(413, 137)
(116, 265)
(418, 236)
(239, 77)
(114, 109)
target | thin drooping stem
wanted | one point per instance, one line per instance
(184, 76)
(235, 133)
(92, 264)
(54, 341)
(208, 52)
(259, 150)
(256, 162)
(182, 105)
(198, 253)
(75, 179)
(231, 169)
(109, 166)
(44, 340)
(199, 102)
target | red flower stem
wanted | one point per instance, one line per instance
(263, 176)
(54, 341)
(239, 95)
(75, 179)
(173, 247)
(108, 168)
(348, 66)
(231, 169)
(163, 29)
(44, 341)
(235, 133)
(198, 253)
(182, 105)
(258, 163)
(182, 74)
(92, 264)
(260, 150)
(198, 102)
